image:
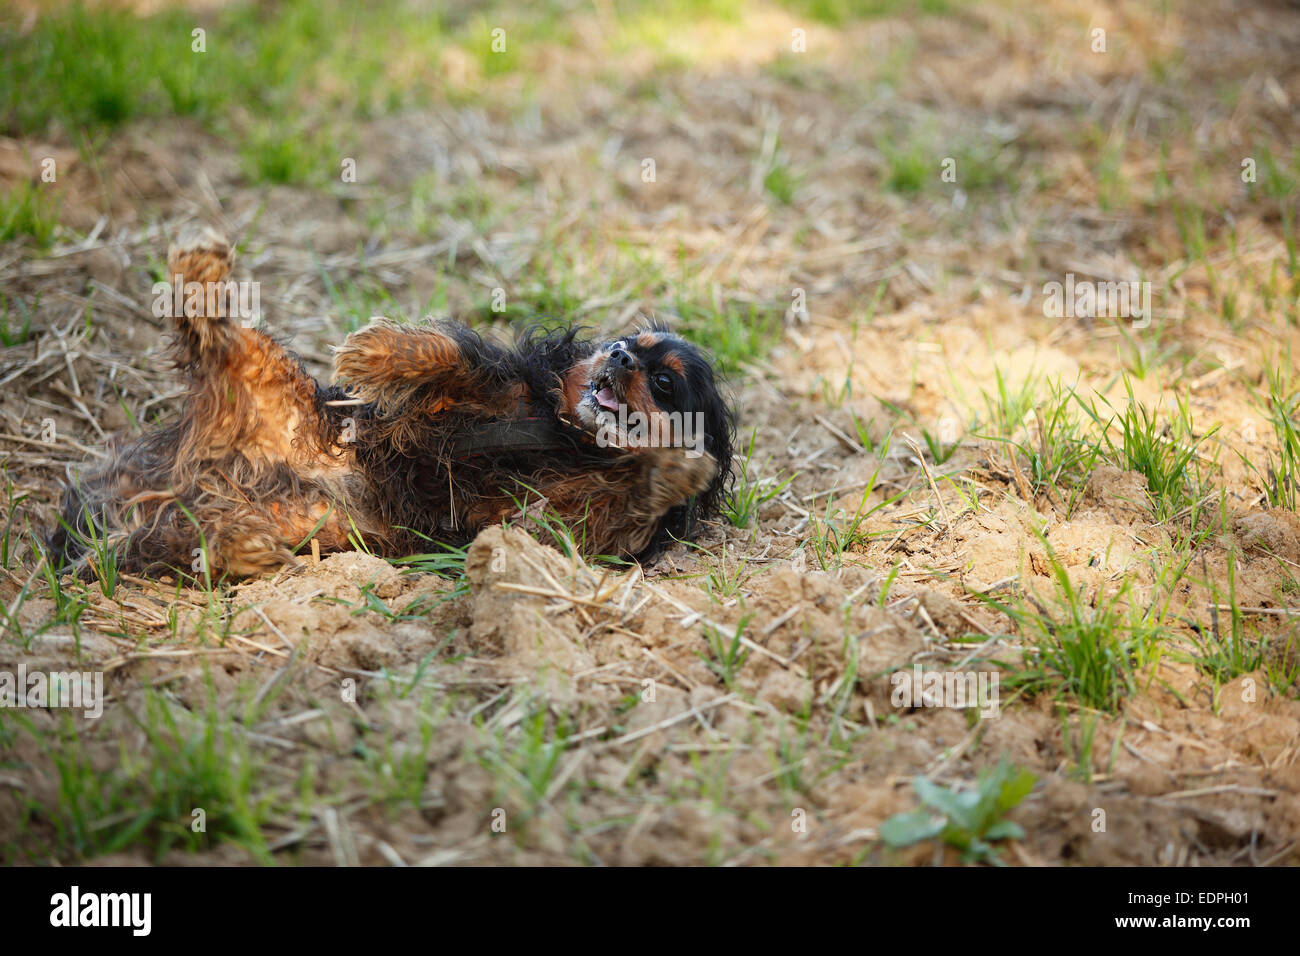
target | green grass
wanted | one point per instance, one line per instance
(724, 583)
(14, 502)
(447, 561)
(1057, 453)
(909, 167)
(549, 293)
(1276, 178)
(727, 653)
(372, 603)
(661, 27)
(277, 153)
(735, 335)
(1144, 352)
(190, 762)
(523, 763)
(780, 182)
(940, 451)
(752, 491)
(1166, 456)
(835, 532)
(791, 752)
(1078, 735)
(92, 71)
(433, 198)
(1089, 648)
(396, 756)
(1007, 409)
(70, 598)
(559, 283)
(102, 554)
(550, 527)
(16, 320)
(1223, 650)
(360, 297)
(839, 12)
(1281, 475)
(1112, 188)
(1061, 453)
(917, 160)
(28, 210)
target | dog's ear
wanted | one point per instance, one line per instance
(719, 441)
(710, 401)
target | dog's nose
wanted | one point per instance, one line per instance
(623, 359)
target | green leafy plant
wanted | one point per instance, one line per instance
(971, 821)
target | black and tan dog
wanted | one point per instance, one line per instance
(432, 433)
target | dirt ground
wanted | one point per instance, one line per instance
(542, 710)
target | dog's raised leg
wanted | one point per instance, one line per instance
(248, 396)
(263, 456)
(251, 466)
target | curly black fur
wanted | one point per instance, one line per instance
(413, 477)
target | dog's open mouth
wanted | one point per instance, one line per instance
(603, 391)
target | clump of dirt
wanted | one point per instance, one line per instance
(518, 588)
(1118, 493)
(1275, 530)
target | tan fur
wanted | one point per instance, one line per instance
(384, 362)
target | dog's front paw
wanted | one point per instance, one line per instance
(677, 475)
(385, 362)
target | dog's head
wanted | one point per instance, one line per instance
(652, 391)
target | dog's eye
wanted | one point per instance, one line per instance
(663, 382)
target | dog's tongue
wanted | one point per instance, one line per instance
(605, 399)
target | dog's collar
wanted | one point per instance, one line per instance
(514, 436)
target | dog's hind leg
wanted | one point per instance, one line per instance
(249, 397)
(256, 457)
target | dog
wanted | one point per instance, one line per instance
(430, 433)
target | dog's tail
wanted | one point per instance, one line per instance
(199, 263)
